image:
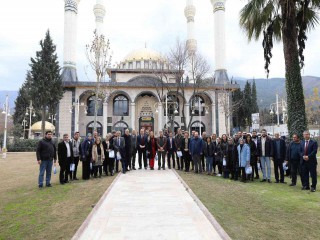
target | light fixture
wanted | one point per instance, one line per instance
(27, 114)
(176, 111)
(157, 110)
(207, 111)
(3, 112)
(271, 112)
(49, 117)
(192, 112)
(34, 114)
(54, 119)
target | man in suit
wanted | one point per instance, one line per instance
(171, 149)
(162, 144)
(196, 146)
(65, 155)
(185, 147)
(133, 148)
(177, 140)
(265, 151)
(293, 159)
(127, 142)
(142, 140)
(119, 147)
(308, 154)
(279, 154)
(76, 154)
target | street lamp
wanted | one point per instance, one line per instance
(7, 113)
(196, 104)
(275, 107)
(30, 111)
(52, 117)
(24, 124)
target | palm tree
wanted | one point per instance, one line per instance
(286, 20)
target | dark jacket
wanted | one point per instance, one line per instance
(105, 148)
(173, 149)
(288, 154)
(183, 144)
(311, 152)
(218, 153)
(141, 139)
(62, 153)
(178, 140)
(282, 149)
(134, 144)
(127, 141)
(232, 157)
(46, 150)
(119, 148)
(164, 143)
(152, 154)
(208, 151)
(196, 146)
(86, 149)
(268, 147)
(253, 152)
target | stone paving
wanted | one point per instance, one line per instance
(147, 205)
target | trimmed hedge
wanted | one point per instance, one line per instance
(23, 145)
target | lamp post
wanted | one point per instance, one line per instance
(24, 124)
(7, 113)
(275, 109)
(52, 117)
(197, 104)
(31, 113)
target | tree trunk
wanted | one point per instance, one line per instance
(295, 97)
(43, 121)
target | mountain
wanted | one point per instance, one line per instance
(267, 88)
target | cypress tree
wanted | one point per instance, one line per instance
(255, 108)
(46, 87)
(247, 102)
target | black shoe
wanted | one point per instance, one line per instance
(277, 181)
(112, 174)
(169, 167)
(263, 180)
(178, 169)
(49, 185)
(40, 186)
(145, 168)
(164, 168)
(159, 168)
(139, 168)
(283, 182)
(305, 188)
(134, 168)
(292, 184)
(269, 181)
(186, 170)
(66, 181)
(257, 177)
(313, 189)
(152, 168)
(62, 183)
(76, 179)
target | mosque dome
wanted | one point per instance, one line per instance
(36, 127)
(143, 54)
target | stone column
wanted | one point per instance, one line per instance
(133, 115)
(213, 118)
(160, 117)
(187, 114)
(105, 119)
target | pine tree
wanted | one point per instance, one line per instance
(46, 87)
(255, 108)
(238, 115)
(247, 102)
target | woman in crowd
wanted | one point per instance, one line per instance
(152, 149)
(218, 157)
(253, 154)
(109, 154)
(243, 158)
(208, 152)
(97, 157)
(230, 159)
(86, 156)
(224, 153)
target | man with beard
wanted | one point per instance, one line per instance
(255, 166)
(265, 152)
(177, 141)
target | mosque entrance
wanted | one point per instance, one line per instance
(147, 123)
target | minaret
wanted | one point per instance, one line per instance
(190, 12)
(221, 75)
(99, 12)
(69, 72)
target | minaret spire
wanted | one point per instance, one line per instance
(99, 12)
(219, 9)
(190, 12)
(69, 72)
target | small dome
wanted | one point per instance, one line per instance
(143, 54)
(36, 127)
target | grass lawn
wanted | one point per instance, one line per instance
(51, 213)
(258, 210)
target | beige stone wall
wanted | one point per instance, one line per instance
(64, 114)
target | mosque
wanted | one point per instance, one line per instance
(132, 99)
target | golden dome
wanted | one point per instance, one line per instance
(36, 127)
(143, 54)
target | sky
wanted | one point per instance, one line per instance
(129, 25)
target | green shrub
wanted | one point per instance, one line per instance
(23, 145)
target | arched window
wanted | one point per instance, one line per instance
(91, 106)
(195, 126)
(196, 103)
(121, 126)
(90, 128)
(175, 126)
(120, 106)
(173, 105)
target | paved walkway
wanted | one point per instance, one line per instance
(147, 205)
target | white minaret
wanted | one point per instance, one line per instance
(220, 41)
(190, 12)
(69, 72)
(99, 12)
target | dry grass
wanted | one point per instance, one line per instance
(51, 213)
(258, 210)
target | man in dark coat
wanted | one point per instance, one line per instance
(161, 144)
(177, 140)
(185, 147)
(133, 149)
(171, 150)
(279, 154)
(265, 151)
(119, 147)
(65, 155)
(142, 141)
(128, 150)
(293, 159)
(46, 152)
(308, 153)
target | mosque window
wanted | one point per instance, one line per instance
(146, 64)
(121, 106)
(91, 106)
(196, 103)
(154, 65)
(173, 105)
(138, 63)
(130, 65)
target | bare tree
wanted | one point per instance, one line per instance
(99, 57)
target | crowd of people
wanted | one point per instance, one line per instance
(237, 158)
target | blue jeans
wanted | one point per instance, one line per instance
(46, 165)
(265, 161)
(209, 161)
